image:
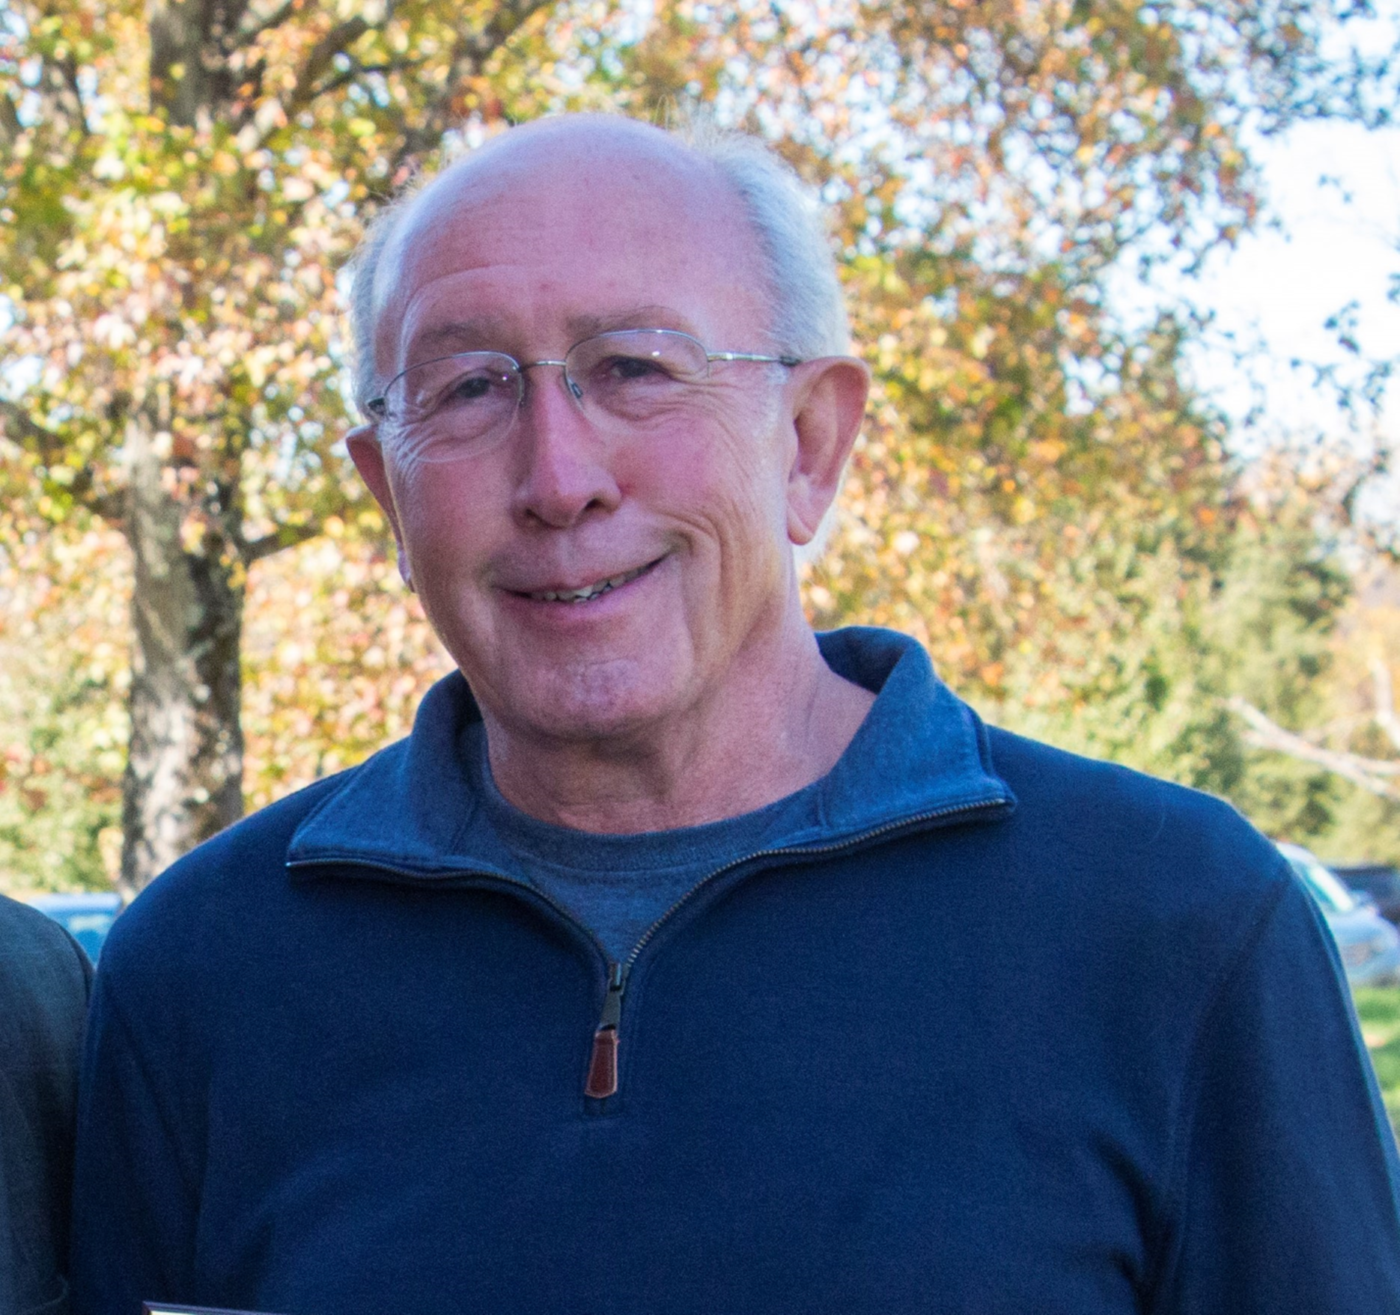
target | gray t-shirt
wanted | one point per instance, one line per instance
(619, 885)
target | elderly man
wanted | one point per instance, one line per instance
(44, 978)
(682, 960)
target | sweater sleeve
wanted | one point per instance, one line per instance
(1287, 1180)
(134, 1199)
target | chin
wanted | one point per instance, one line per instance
(597, 700)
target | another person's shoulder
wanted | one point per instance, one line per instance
(39, 960)
(44, 978)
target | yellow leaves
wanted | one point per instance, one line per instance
(338, 655)
(258, 363)
(1023, 510)
(193, 529)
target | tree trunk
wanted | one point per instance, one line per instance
(184, 773)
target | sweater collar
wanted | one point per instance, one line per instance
(921, 753)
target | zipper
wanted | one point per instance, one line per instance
(602, 1079)
(602, 1064)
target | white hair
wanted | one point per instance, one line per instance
(807, 313)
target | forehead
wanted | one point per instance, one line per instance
(582, 227)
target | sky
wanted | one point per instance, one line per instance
(1328, 240)
(1333, 240)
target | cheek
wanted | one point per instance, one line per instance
(726, 491)
(429, 497)
(747, 476)
(442, 518)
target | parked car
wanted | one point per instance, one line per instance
(1369, 946)
(88, 916)
(1379, 881)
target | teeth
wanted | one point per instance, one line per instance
(588, 591)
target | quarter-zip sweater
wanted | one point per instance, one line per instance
(1007, 1031)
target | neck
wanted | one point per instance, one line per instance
(766, 734)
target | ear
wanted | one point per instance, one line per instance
(368, 456)
(827, 413)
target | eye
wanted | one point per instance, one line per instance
(635, 372)
(472, 389)
(469, 388)
(627, 369)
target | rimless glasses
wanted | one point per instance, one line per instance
(465, 404)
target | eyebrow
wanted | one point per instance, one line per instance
(639, 317)
(487, 333)
(457, 335)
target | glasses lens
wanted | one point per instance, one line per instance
(637, 374)
(453, 407)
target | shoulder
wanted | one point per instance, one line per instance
(38, 958)
(1172, 878)
(176, 964)
(44, 978)
(1103, 811)
(43, 998)
(229, 876)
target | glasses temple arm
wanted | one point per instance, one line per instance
(750, 356)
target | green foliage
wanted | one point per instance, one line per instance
(1251, 617)
(63, 664)
(1378, 1009)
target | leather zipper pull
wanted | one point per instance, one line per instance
(602, 1067)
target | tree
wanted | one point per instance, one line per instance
(172, 227)
(1345, 740)
(1038, 494)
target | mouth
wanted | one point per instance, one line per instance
(587, 593)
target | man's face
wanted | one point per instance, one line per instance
(528, 257)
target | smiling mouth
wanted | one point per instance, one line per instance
(591, 591)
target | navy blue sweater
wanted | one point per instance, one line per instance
(1010, 1031)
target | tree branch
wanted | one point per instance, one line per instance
(10, 126)
(24, 428)
(468, 55)
(244, 37)
(336, 42)
(1385, 716)
(357, 70)
(20, 426)
(1369, 773)
(285, 536)
(69, 69)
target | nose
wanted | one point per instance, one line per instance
(564, 465)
